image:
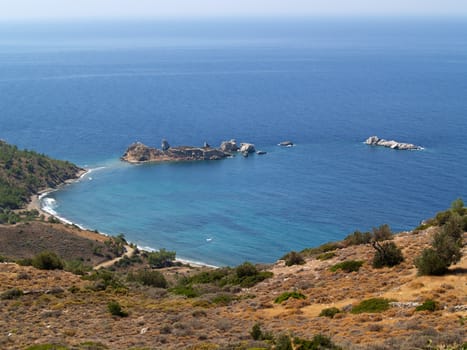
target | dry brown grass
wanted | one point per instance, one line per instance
(161, 320)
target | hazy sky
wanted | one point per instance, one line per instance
(64, 9)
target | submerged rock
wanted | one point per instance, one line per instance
(376, 141)
(139, 153)
(286, 144)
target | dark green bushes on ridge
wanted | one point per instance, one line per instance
(446, 246)
(23, 173)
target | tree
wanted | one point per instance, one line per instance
(162, 258)
(382, 233)
(387, 254)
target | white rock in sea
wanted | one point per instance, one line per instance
(247, 147)
(286, 144)
(229, 146)
(376, 141)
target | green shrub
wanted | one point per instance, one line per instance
(323, 248)
(347, 266)
(77, 267)
(430, 263)
(47, 347)
(382, 233)
(458, 207)
(319, 342)
(358, 238)
(162, 258)
(287, 295)
(326, 256)
(185, 290)
(428, 305)
(246, 269)
(387, 254)
(212, 276)
(149, 278)
(293, 258)
(115, 309)
(329, 312)
(13, 293)
(436, 260)
(256, 332)
(371, 305)
(47, 261)
(442, 217)
(283, 342)
(223, 299)
(104, 279)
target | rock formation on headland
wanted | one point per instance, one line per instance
(229, 146)
(139, 153)
(376, 141)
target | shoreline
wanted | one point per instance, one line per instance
(35, 204)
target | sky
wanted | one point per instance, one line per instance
(91, 9)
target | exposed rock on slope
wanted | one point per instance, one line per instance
(376, 141)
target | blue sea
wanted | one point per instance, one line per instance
(84, 91)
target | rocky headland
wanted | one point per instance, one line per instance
(376, 141)
(140, 153)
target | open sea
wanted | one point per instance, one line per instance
(83, 91)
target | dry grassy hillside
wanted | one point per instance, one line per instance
(57, 307)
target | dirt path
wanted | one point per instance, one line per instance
(128, 253)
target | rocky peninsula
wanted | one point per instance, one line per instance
(140, 153)
(376, 141)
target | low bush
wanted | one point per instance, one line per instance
(329, 312)
(116, 309)
(161, 258)
(323, 248)
(428, 305)
(326, 256)
(293, 258)
(223, 299)
(372, 305)
(104, 279)
(358, 238)
(77, 267)
(430, 263)
(287, 295)
(387, 254)
(382, 233)
(347, 266)
(47, 261)
(185, 290)
(47, 347)
(149, 278)
(318, 342)
(13, 293)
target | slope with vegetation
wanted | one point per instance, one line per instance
(24, 173)
(150, 301)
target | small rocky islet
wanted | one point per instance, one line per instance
(376, 141)
(140, 153)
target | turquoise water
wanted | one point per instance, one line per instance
(85, 91)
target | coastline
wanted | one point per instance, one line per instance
(35, 204)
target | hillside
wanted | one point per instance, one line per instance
(58, 307)
(24, 173)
